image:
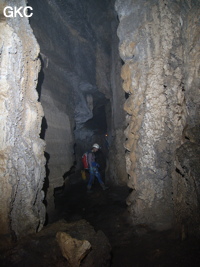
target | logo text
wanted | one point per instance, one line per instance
(13, 12)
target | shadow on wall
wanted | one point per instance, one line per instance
(40, 78)
(46, 183)
(44, 127)
(60, 190)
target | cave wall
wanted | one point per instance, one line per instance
(116, 169)
(21, 150)
(186, 177)
(80, 70)
(56, 89)
(158, 44)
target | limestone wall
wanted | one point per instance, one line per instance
(158, 78)
(56, 93)
(21, 150)
(116, 118)
(186, 177)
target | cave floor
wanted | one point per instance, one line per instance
(131, 246)
(106, 211)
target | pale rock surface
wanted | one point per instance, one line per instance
(159, 47)
(73, 250)
(22, 159)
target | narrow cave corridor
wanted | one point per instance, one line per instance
(124, 75)
(79, 90)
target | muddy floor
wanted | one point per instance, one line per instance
(106, 211)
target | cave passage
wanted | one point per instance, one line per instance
(119, 73)
(80, 77)
(79, 89)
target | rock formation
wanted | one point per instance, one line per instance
(22, 151)
(82, 101)
(158, 44)
(73, 250)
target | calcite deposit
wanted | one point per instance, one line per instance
(160, 75)
(21, 150)
(124, 74)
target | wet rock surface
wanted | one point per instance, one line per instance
(101, 218)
